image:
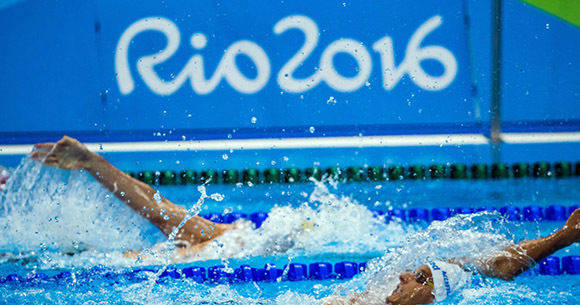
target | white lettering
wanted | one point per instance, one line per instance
(286, 80)
(194, 69)
(358, 52)
(326, 72)
(122, 69)
(414, 54)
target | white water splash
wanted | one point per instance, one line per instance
(326, 223)
(51, 209)
(473, 236)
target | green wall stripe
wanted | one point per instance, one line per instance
(568, 10)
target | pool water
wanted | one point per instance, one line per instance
(53, 221)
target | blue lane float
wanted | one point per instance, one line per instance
(528, 213)
(418, 214)
(533, 213)
(220, 274)
(571, 264)
(297, 272)
(511, 213)
(556, 212)
(320, 271)
(550, 266)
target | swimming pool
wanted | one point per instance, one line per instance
(55, 221)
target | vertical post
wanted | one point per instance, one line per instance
(496, 32)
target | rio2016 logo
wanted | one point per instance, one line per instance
(326, 72)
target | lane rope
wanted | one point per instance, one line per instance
(220, 274)
(453, 171)
(511, 213)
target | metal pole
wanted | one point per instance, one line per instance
(496, 32)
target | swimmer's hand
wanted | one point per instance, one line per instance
(67, 153)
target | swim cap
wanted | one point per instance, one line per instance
(448, 278)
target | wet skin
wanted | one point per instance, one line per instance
(414, 288)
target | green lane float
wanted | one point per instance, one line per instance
(272, 175)
(563, 169)
(499, 171)
(437, 171)
(230, 176)
(251, 176)
(479, 171)
(188, 177)
(458, 171)
(520, 170)
(313, 172)
(167, 177)
(355, 174)
(335, 173)
(541, 170)
(396, 173)
(376, 173)
(208, 177)
(146, 177)
(292, 175)
(416, 172)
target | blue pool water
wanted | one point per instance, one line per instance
(47, 213)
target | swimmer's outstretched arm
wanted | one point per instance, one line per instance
(514, 260)
(70, 154)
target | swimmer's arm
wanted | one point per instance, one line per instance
(516, 259)
(68, 153)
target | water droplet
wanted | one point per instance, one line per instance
(225, 156)
(217, 197)
(157, 197)
(166, 217)
(311, 129)
(254, 120)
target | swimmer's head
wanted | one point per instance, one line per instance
(414, 288)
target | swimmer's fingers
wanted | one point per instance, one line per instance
(44, 157)
(38, 155)
(51, 161)
(44, 146)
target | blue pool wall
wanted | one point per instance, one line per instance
(58, 77)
